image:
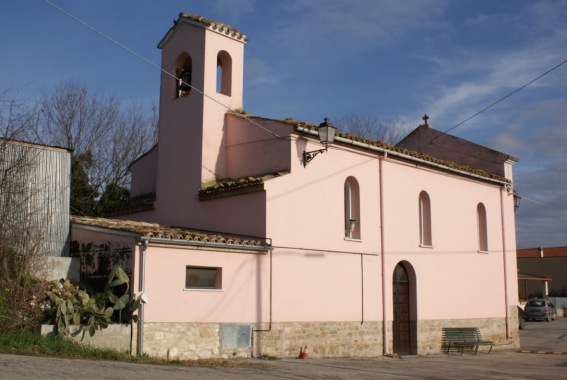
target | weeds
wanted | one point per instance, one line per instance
(29, 343)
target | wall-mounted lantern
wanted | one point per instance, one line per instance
(326, 133)
(517, 200)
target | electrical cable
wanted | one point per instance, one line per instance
(144, 59)
(543, 204)
(504, 98)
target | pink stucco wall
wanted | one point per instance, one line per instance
(252, 150)
(305, 211)
(191, 128)
(144, 174)
(306, 286)
(243, 298)
(315, 268)
(314, 273)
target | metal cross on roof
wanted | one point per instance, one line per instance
(425, 118)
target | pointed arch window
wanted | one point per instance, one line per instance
(352, 218)
(224, 73)
(482, 228)
(425, 238)
(183, 74)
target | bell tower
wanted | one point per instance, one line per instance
(202, 78)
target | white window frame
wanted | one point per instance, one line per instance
(196, 268)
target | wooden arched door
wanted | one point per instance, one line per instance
(401, 323)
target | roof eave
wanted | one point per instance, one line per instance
(403, 156)
(201, 22)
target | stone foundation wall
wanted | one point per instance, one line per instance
(188, 341)
(323, 339)
(429, 333)
(185, 341)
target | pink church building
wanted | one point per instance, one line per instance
(250, 237)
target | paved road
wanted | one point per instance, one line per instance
(537, 337)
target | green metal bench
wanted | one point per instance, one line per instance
(460, 338)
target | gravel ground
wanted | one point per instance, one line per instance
(544, 341)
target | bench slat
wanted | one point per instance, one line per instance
(464, 337)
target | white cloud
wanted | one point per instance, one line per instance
(234, 10)
(258, 72)
(490, 77)
(538, 137)
(339, 26)
(479, 20)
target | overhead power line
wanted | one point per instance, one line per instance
(506, 97)
(141, 57)
(556, 209)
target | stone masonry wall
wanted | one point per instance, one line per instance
(184, 341)
(324, 339)
(189, 341)
(494, 329)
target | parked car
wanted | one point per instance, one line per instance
(540, 308)
(521, 318)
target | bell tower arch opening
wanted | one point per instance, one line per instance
(224, 73)
(183, 73)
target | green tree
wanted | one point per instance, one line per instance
(113, 197)
(83, 194)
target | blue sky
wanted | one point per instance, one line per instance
(308, 59)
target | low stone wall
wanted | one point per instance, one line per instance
(188, 341)
(116, 337)
(183, 341)
(323, 339)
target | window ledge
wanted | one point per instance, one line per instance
(481, 251)
(202, 290)
(353, 239)
(426, 246)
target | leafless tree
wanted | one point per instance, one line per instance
(367, 126)
(99, 126)
(134, 133)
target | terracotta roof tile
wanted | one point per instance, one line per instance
(407, 152)
(230, 187)
(216, 26)
(154, 230)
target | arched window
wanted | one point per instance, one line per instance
(183, 71)
(482, 228)
(425, 220)
(224, 73)
(400, 273)
(352, 220)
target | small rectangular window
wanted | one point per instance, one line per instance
(203, 278)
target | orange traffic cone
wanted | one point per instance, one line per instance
(304, 353)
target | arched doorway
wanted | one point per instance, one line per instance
(402, 311)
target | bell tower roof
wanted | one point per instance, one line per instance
(217, 27)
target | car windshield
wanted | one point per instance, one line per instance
(536, 303)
